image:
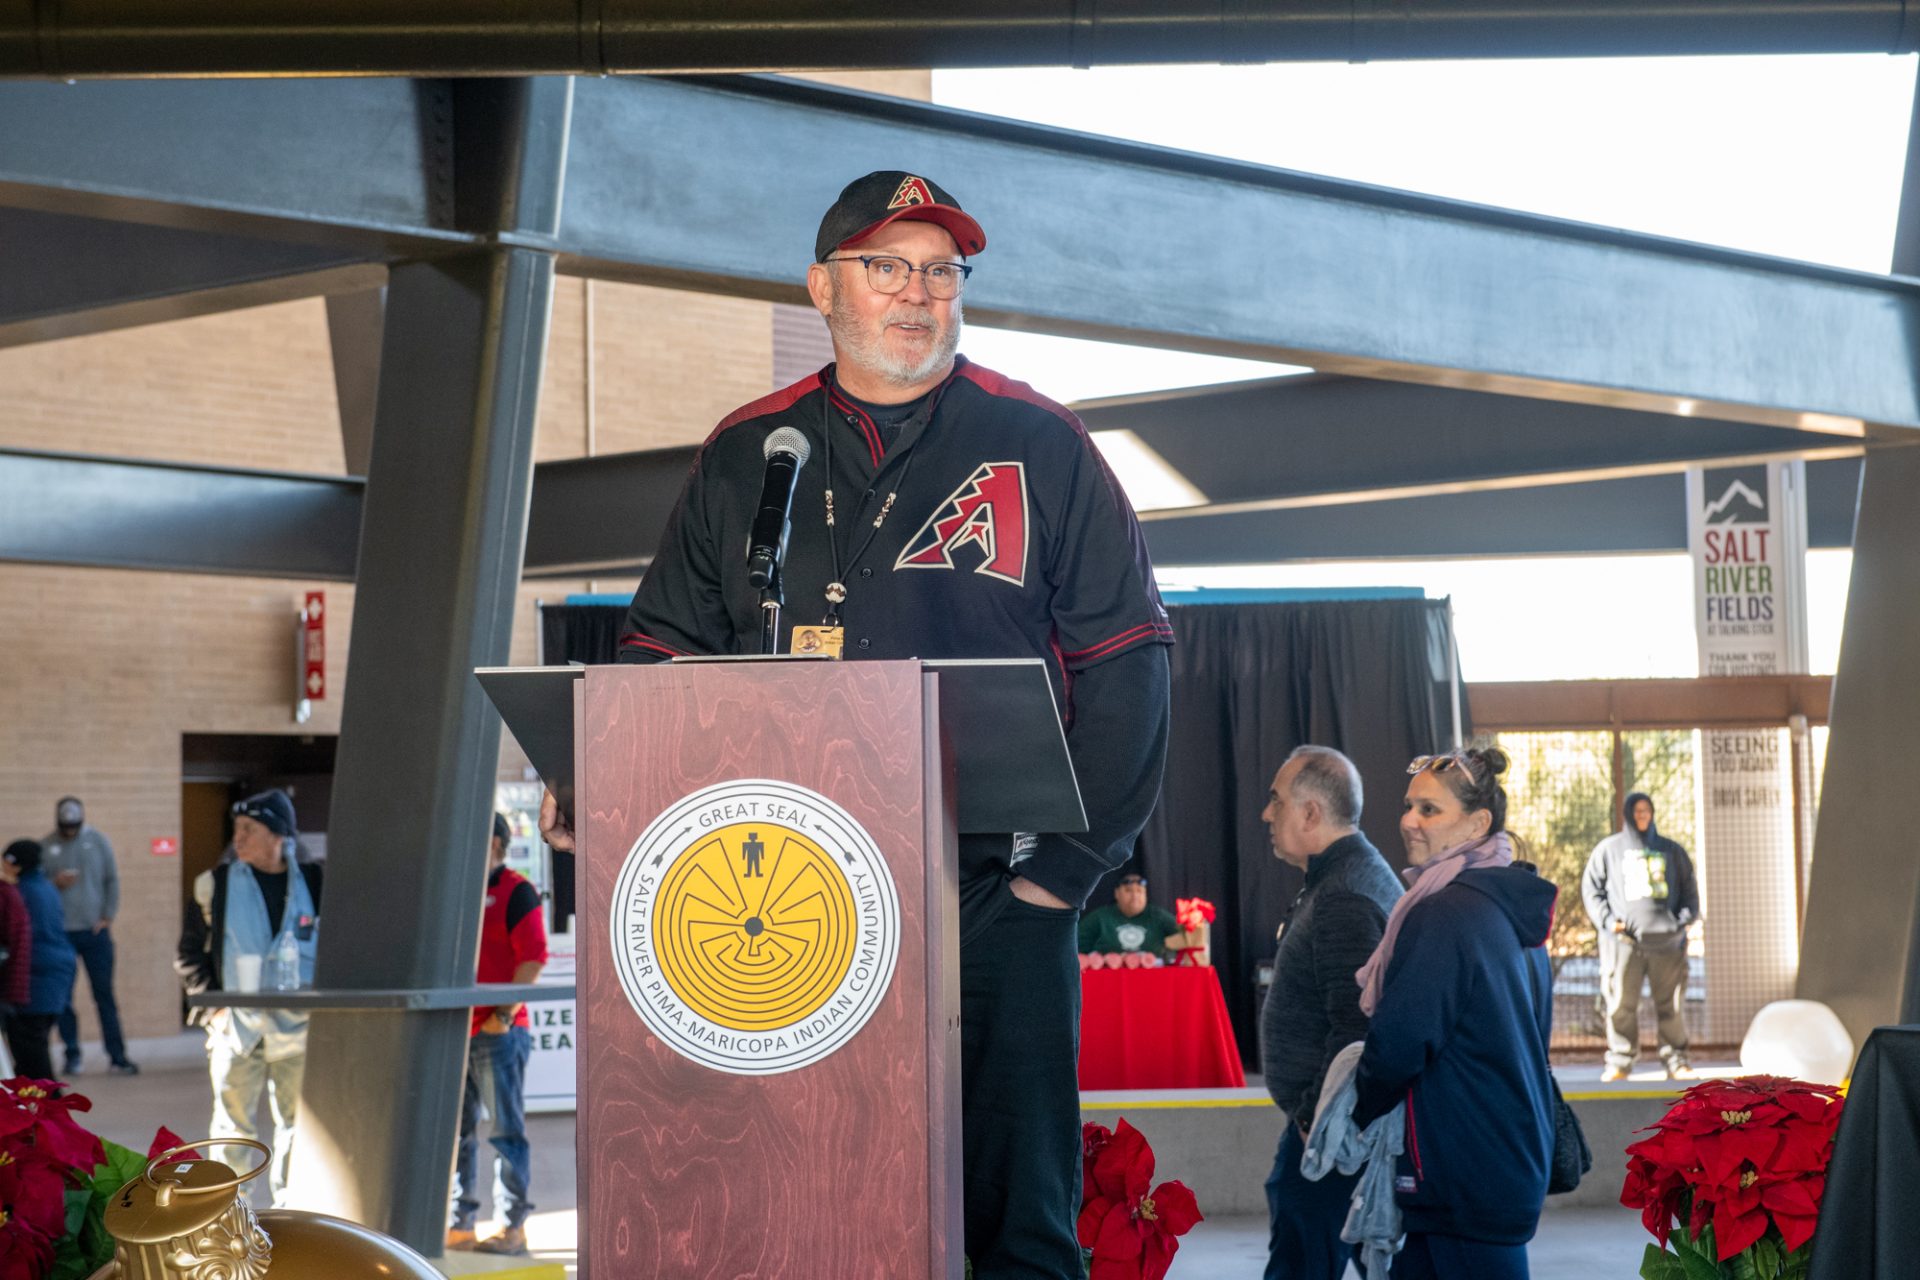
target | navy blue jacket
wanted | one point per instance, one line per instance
(50, 972)
(1460, 1035)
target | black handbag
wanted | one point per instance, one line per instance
(1572, 1157)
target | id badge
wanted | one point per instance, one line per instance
(823, 642)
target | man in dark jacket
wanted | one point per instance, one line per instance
(1642, 896)
(1313, 1008)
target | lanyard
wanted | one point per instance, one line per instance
(837, 589)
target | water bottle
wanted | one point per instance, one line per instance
(283, 961)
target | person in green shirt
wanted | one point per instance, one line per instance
(1130, 923)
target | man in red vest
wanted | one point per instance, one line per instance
(513, 948)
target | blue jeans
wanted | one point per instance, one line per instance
(96, 954)
(497, 1065)
(1304, 1217)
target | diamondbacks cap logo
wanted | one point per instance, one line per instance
(755, 927)
(988, 513)
(910, 192)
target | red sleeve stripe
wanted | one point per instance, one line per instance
(784, 398)
(1145, 631)
(640, 640)
(998, 384)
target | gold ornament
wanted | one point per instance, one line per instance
(187, 1220)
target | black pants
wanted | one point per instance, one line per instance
(1433, 1257)
(27, 1041)
(1304, 1217)
(1019, 1083)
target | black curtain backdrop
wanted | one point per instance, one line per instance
(588, 633)
(1250, 683)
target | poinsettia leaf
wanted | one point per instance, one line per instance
(1766, 1257)
(1658, 1264)
(118, 1166)
(165, 1139)
(1700, 1268)
(69, 1263)
(77, 1200)
(1698, 1254)
(96, 1246)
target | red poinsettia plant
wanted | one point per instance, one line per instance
(1129, 1228)
(1732, 1178)
(55, 1181)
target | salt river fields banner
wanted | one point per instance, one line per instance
(1746, 528)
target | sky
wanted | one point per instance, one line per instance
(1798, 157)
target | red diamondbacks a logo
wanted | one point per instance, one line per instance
(989, 511)
(910, 192)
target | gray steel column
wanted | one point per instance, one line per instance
(441, 544)
(1859, 951)
(442, 536)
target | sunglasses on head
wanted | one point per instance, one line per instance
(1439, 764)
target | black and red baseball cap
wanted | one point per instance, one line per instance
(870, 203)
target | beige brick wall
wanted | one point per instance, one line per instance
(102, 671)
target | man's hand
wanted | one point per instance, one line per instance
(1025, 890)
(554, 827)
(62, 879)
(1619, 926)
(100, 926)
(495, 1025)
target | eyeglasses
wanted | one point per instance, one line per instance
(1438, 764)
(888, 274)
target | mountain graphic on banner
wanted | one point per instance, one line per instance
(1738, 505)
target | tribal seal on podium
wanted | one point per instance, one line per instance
(755, 927)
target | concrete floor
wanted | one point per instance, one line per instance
(1573, 1244)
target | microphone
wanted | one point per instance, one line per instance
(786, 452)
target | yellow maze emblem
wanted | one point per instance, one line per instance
(754, 926)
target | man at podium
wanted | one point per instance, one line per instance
(945, 511)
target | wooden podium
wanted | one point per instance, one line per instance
(768, 966)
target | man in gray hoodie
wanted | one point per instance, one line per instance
(1641, 895)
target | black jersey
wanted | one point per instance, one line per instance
(1002, 534)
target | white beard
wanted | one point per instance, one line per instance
(871, 355)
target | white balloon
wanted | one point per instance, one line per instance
(1798, 1038)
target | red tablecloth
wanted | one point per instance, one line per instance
(1156, 1029)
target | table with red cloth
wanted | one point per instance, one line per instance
(1160, 1028)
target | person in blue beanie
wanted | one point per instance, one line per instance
(1460, 996)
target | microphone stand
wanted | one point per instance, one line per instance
(772, 596)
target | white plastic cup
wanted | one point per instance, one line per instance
(246, 971)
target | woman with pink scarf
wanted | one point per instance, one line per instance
(1460, 996)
